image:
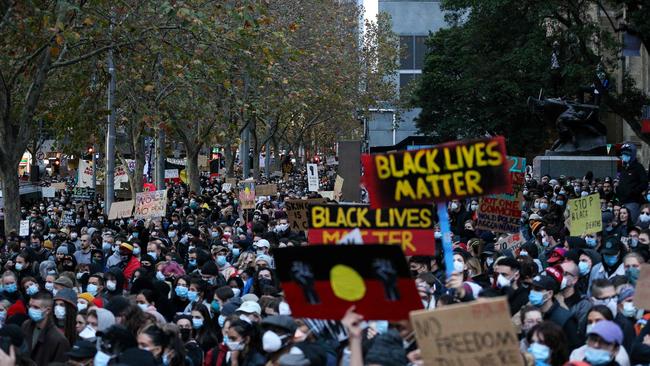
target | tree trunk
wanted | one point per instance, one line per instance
(230, 160)
(276, 155)
(11, 194)
(256, 148)
(193, 168)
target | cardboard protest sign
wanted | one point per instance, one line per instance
(585, 215)
(266, 190)
(327, 195)
(24, 228)
(58, 186)
(642, 292)
(323, 281)
(502, 212)
(232, 181)
(411, 228)
(469, 334)
(247, 195)
(312, 177)
(149, 205)
(297, 212)
(83, 193)
(68, 218)
(226, 187)
(338, 187)
(48, 192)
(452, 170)
(120, 209)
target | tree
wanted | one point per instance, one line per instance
(481, 70)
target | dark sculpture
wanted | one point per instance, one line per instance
(580, 130)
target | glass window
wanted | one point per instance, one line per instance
(406, 52)
(420, 51)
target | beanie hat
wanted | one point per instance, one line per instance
(87, 296)
(387, 350)
(68, 295)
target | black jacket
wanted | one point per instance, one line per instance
(634, 180)
(567, 322)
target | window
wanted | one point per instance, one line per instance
(412, 52)
(405, 79)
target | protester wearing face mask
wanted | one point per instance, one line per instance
(45, 343)
(541, 296)
(596, 314)
(612, 252)
(632, 264)
(529, 316)
(128, 262)
(221, 259)
(244, 344)
(506, 272)
(196, 294)
(548, 344)
(603, 292)
(277, 335)
(633, 181)
(577, 303)
(203, 328)
(192, 348)
(603, 342)
(65, 313)
(626, 305)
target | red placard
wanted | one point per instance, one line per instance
(456, 169)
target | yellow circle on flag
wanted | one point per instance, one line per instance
(347, 283)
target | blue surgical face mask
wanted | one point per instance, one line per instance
(181, 291)
(221, 320)
(92, 289)
(610, 260)
(153, 255)
(543, 205)
(221, 260)
(192, 262)
(32, 289)
(584, 268)
(35, 314)
(235, 252)
(136, 251)
(11, 288)
(591, 241)
(597, 356)
(197, 323)
(626, 158)
(216, 306)
(101, 359)
(536, 298)
(540, 352)
(632, 275)
(192, 295)
(160, 276)
(559, 202)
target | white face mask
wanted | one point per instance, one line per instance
(111, 285)
(459, 266)
(81, 306)
(271, 342)
(503, 281)
(59, 311)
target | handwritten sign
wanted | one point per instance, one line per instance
(585, 215)
(642, 292)
(338, 187)
(512, 241)
(411, 228)
(247, 195)
(24, 228)
(85, 176)
(120, 209)
(327, 195)
(469, 334)
(226, 187)
(452, 170)
(312, 177)
(297, 212)
(58, 186)
(150, 204)
(266, 190)
(502, 213)
(68, 218)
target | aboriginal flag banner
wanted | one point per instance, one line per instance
(457, 169)
(323, 281)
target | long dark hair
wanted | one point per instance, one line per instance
(207, 335)
(250, 331)
(168, 338)
(554, 339)
(70, 322)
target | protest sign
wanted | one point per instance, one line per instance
(331, 160)
(517, 164)
(85, 173)
(512, 241)
(312, 177)
(457, 169)
(120, 209)
(149, 205)
(83, 193)
(58, 186)
(232, 181)
(297, 212)
(323, 281)
(247, 195)
(226, 187)
(353, 237)
(642, 291)
(411, 228)
(48, 192)
(469, 334)
(502, 212)
(329, 195)
(120, 176)
(24, 228)
(585, 215)
(338, 187)
(68, 219)
(266, 190)
(171, 173)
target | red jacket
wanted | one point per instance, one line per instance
(134, 264)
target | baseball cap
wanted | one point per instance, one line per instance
(281, 321)
(556, 255)
(250, 307)
(609, 331)
(612, 246)
(545, 282)
(82, 350)
(263, 243)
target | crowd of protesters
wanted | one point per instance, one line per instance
(198, 286)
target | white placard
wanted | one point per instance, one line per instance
(171, 173)
(48, 192)
(85, 178)
(24, 228)
(312, 177)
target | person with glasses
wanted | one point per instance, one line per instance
(576, 302)
(603, 292)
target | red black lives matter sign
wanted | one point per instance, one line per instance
(451, 170)
(323, 281)
(410, 228)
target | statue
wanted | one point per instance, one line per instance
(580, 130)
